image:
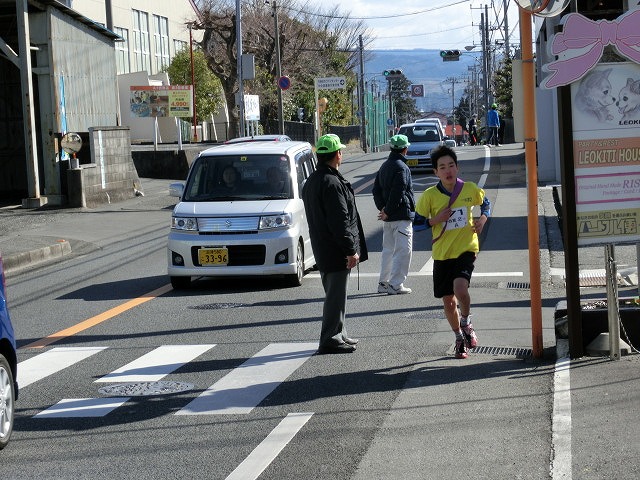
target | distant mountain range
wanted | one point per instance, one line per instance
(424, 67)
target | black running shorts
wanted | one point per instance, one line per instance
(446, 271)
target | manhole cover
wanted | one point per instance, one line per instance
(143, 389)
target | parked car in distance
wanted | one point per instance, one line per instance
(260, 138)
(450, 142)
(241, 214)
(8, 366)
(423, 137)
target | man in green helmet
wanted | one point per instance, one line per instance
(493, 122)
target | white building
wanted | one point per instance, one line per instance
(153, 30)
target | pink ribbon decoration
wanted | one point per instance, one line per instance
(582, 42)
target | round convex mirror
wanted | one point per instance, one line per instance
(71, 143)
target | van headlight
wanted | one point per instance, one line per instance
(284, 220)
(189, 224)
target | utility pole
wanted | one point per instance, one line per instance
(506, 28)
(240, 99)
(363, 117)
(278, 69)
(453, 82)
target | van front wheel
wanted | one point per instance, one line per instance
(295, 279)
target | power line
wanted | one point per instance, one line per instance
(377, 17)
(425, 34)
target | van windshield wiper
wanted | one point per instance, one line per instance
(216, 198)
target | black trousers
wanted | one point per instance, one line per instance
(333, 312)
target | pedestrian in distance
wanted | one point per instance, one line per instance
(337, 239)
(455, 245)
(395, 200)
(473, 130)
(493, 122)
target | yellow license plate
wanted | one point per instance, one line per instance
(213, 256)
(412, 163)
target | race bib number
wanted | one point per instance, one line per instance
(458, 218)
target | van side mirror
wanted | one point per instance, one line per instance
(176, 190)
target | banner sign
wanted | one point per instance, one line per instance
(606, 149)
(161, 101)
(580, 45)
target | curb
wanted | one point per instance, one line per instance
(18, 261)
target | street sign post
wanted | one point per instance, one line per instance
(325, 83)
(330, 83)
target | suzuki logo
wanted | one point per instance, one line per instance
(227, 223)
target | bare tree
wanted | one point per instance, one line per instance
(313, 42)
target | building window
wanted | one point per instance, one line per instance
(141, 60)
(122, 51)
(161, 42)
(179, 45)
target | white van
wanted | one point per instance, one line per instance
(241, 213)
(423, 137)
(433, 120)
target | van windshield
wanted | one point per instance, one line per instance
(420, 133)
(239, 177)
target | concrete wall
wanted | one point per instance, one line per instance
(111, 176)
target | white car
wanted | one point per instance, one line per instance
(253, 224)
(451, 143)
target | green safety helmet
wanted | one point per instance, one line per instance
(494, 105)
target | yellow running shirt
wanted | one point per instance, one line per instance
(459, 236)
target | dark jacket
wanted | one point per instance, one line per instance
(393, 189)
(334, 223)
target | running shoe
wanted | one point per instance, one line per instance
(461, 348)
(383, 287)
(470, 336)
(401, 290)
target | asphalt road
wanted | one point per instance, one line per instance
(400, 407)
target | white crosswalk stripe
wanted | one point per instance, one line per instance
(82, 407)
(245, 387)
(52, 361)
(270, 447)
(238, 392)
(156, 364)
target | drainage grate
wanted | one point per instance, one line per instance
(429, 315)
(518, 285)
(505, 351)
(217, 306)
(144, 389)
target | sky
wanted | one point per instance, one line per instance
(432, 24)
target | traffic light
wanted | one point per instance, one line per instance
(391, 74)
(450, 55)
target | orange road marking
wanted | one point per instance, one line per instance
(93, 321)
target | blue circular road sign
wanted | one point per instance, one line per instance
(284, 82)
